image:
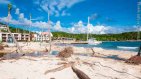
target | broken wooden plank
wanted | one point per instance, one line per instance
(80, 74)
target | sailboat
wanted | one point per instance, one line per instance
(91, 41)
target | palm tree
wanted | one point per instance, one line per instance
(9, 9)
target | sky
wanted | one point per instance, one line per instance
(106, 16)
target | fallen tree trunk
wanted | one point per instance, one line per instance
(79, 73)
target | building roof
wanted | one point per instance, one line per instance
(45, 33)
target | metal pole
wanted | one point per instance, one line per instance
(88, 28)
(29, 27)
(49, 31)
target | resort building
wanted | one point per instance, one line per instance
(6, 37)
(42, 36)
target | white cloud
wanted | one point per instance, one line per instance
(58, 26)
(97, 29)
(79, 27)
(4, 2)
(17, 11)
(94, 16)
(65, 14)
(21, 16)
(57, 7)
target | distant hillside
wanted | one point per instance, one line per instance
(15, 30)
(101, 37)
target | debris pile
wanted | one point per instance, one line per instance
(134, 60)
(1, 47)
(67, 52)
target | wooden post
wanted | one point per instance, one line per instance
(139, 52)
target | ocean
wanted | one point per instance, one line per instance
(116, 45)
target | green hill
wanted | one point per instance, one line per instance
(101, 37)
(15, 30)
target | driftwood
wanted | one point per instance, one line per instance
(93, 51)
(67, 52)
(59, 68)
(135, 59)
(79, 73)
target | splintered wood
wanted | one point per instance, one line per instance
(80, 74)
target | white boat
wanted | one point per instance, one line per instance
(93, 42)
(126, 47)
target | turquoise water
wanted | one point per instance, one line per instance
(114, 45)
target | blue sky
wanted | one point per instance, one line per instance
(106, 16)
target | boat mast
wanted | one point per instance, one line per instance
(138, 19)
(49, 31)
(88, 28)
(30, 26)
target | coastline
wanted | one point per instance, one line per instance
(104, 60)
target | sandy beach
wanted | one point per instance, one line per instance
(105, 64)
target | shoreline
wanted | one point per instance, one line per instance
(35, 67)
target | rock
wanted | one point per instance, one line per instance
(134, 60)
(67, 52)
(1, 47)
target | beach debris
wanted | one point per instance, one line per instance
(134, 60)
(80, 74)
(1, 47)
(67, 52)
(4, 45)
(60, 68)
(93, 51)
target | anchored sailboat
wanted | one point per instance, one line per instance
(91, 41)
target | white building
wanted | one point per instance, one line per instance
(5, 37)
(43, 36)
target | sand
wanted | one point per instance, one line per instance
(107, 64)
